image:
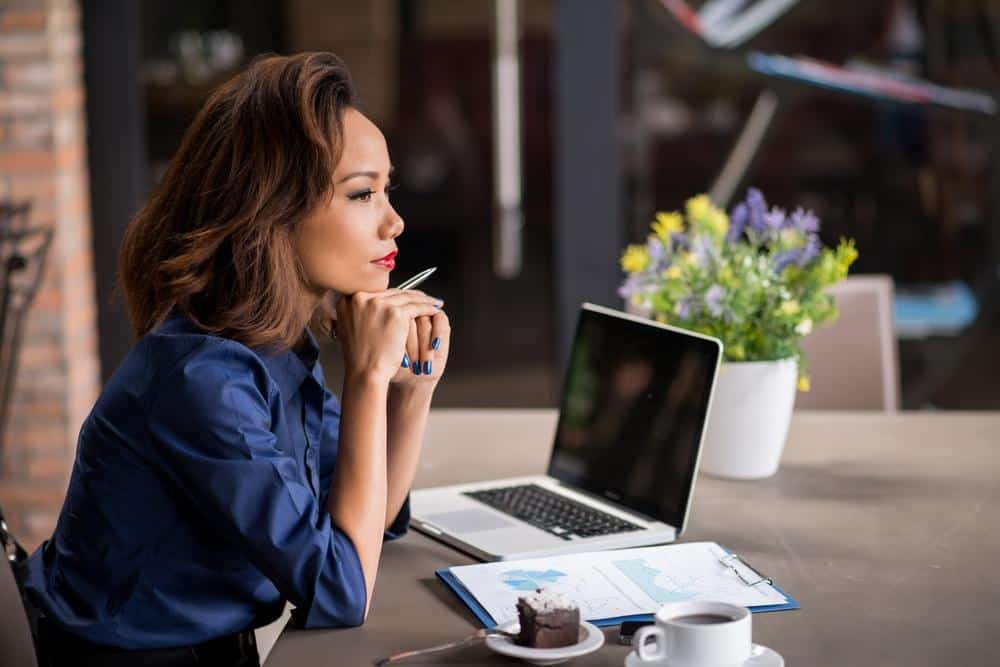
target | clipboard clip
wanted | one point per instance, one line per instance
(730, 560)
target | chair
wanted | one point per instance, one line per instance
(267, 636)
(16, 644)
(23, 250)
(853, 361)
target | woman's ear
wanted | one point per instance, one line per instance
(326, 314)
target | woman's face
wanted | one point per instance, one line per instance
(340, 242)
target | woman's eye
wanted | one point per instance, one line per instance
(364, 195)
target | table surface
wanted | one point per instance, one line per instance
(884, 527)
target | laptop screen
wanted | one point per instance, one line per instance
(634, 405)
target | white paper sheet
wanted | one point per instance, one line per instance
(624, 582)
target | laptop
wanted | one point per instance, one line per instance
(635, 401)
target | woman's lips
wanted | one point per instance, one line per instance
(389, 261)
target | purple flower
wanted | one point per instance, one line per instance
(685, 308)
(629, 287)
(737, 222)
(679, 240)
(713, 299)
(756, 209)
(811, 250)
(656, 250)
(783, 259)
(805, 221)
(774, 220)
(703, 250)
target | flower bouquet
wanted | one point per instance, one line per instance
(756, 279)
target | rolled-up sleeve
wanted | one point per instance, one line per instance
(328, 462)
(212, 426)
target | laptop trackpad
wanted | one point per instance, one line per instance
(469, 521)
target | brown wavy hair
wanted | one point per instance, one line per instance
(215, 239)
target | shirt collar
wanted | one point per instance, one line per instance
(289, 368)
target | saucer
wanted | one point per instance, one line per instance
(591, 639)
(760, 656)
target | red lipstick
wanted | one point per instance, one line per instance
(389, 261)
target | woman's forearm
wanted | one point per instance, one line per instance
(407, 419)
(357, 502)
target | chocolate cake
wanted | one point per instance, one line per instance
(548, 620)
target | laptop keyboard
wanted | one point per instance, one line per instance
(552, 512)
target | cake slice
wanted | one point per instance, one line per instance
(548, 620)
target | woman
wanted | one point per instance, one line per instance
(217, 476)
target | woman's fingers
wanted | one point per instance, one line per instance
(400, 297)
(440, 333)
(423, 325)
(412, 358)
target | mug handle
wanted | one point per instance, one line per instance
(644, 633)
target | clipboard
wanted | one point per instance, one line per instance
(458, 588)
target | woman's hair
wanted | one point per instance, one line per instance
(215, 240)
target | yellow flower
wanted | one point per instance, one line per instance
(789, 307)
(661, 319)
(698, 207)
(668, 223)
(804, 384)
(635, 259)
(703, 213)
(672, 272)
(718, 222)
(848, 253)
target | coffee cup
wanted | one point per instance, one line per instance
(696, 633)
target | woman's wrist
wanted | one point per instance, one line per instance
(366, 380)
(409, 396)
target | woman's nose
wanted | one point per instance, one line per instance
(394, 223)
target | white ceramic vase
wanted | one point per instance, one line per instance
(748, 423)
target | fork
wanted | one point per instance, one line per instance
(479, 634)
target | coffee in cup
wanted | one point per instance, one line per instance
(696, 633)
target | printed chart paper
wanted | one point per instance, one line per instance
(624, 582)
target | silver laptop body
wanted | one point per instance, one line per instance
(635, 401)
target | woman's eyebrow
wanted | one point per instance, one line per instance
(369, 174)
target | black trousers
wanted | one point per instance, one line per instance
(57, 648)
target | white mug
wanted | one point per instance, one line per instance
(689, 634)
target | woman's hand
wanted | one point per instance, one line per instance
(374, 330)
(427, 348)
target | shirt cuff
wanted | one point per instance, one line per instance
(341, 594)
(401, 523)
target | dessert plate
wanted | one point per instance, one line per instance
(591, 639)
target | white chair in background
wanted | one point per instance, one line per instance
(853, 362)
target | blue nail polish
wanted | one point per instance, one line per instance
(436, 343)
(427, 368)
(416, 368)
(406, 361)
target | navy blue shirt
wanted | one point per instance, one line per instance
(196, 505)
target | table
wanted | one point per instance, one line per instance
(884, 527)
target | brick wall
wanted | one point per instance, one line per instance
(43, 157)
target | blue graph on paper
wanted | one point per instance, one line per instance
(644, 575)
(529, 580)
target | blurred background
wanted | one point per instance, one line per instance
(621, 109)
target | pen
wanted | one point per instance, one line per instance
(417, 279)
(410, 284)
